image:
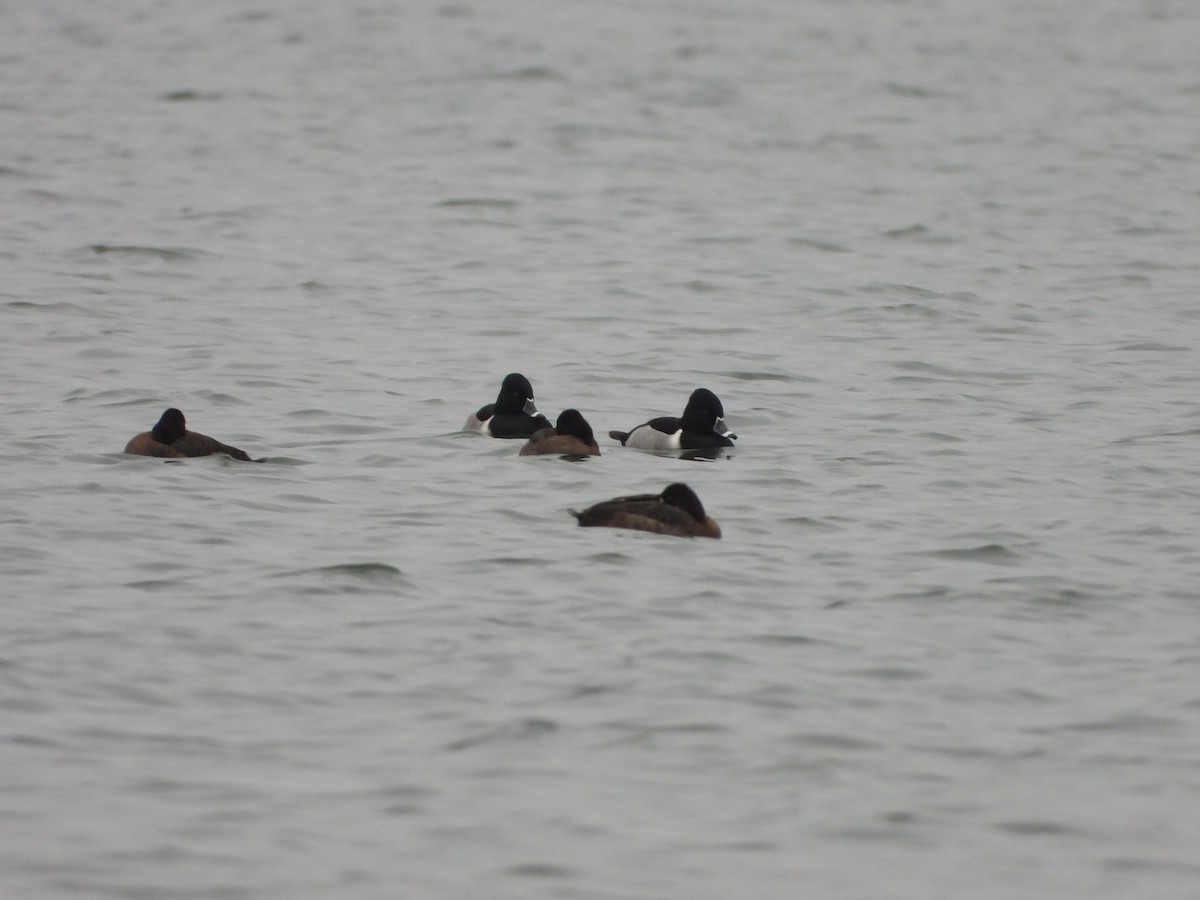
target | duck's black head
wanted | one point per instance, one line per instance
(516, 396)
(704, 413)
(571, 421)
(683, 497)
(171, 426)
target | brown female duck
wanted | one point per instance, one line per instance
(571, 436)
(170, 438)
(677, 510)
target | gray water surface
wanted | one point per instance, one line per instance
(938, 259)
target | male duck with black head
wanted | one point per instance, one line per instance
(701, 427)
(169, 438)
(571, 436)
(676, 511)
(513, 415)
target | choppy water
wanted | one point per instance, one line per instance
(937, 258)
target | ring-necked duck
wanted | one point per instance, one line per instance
(572, 435)
(677, 510)
(170, 438)
(701, 427)
(513, 415)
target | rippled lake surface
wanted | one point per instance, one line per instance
(937, 257)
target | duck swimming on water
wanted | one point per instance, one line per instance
(169, 438)
(677, 511)
(701, 427)
(572, 436)
(513, 415)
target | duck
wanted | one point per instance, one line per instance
(571, 435)
(513, 415)
(169, 438)
(676, 511)
(701, 427)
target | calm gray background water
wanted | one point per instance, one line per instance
(938, 258)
